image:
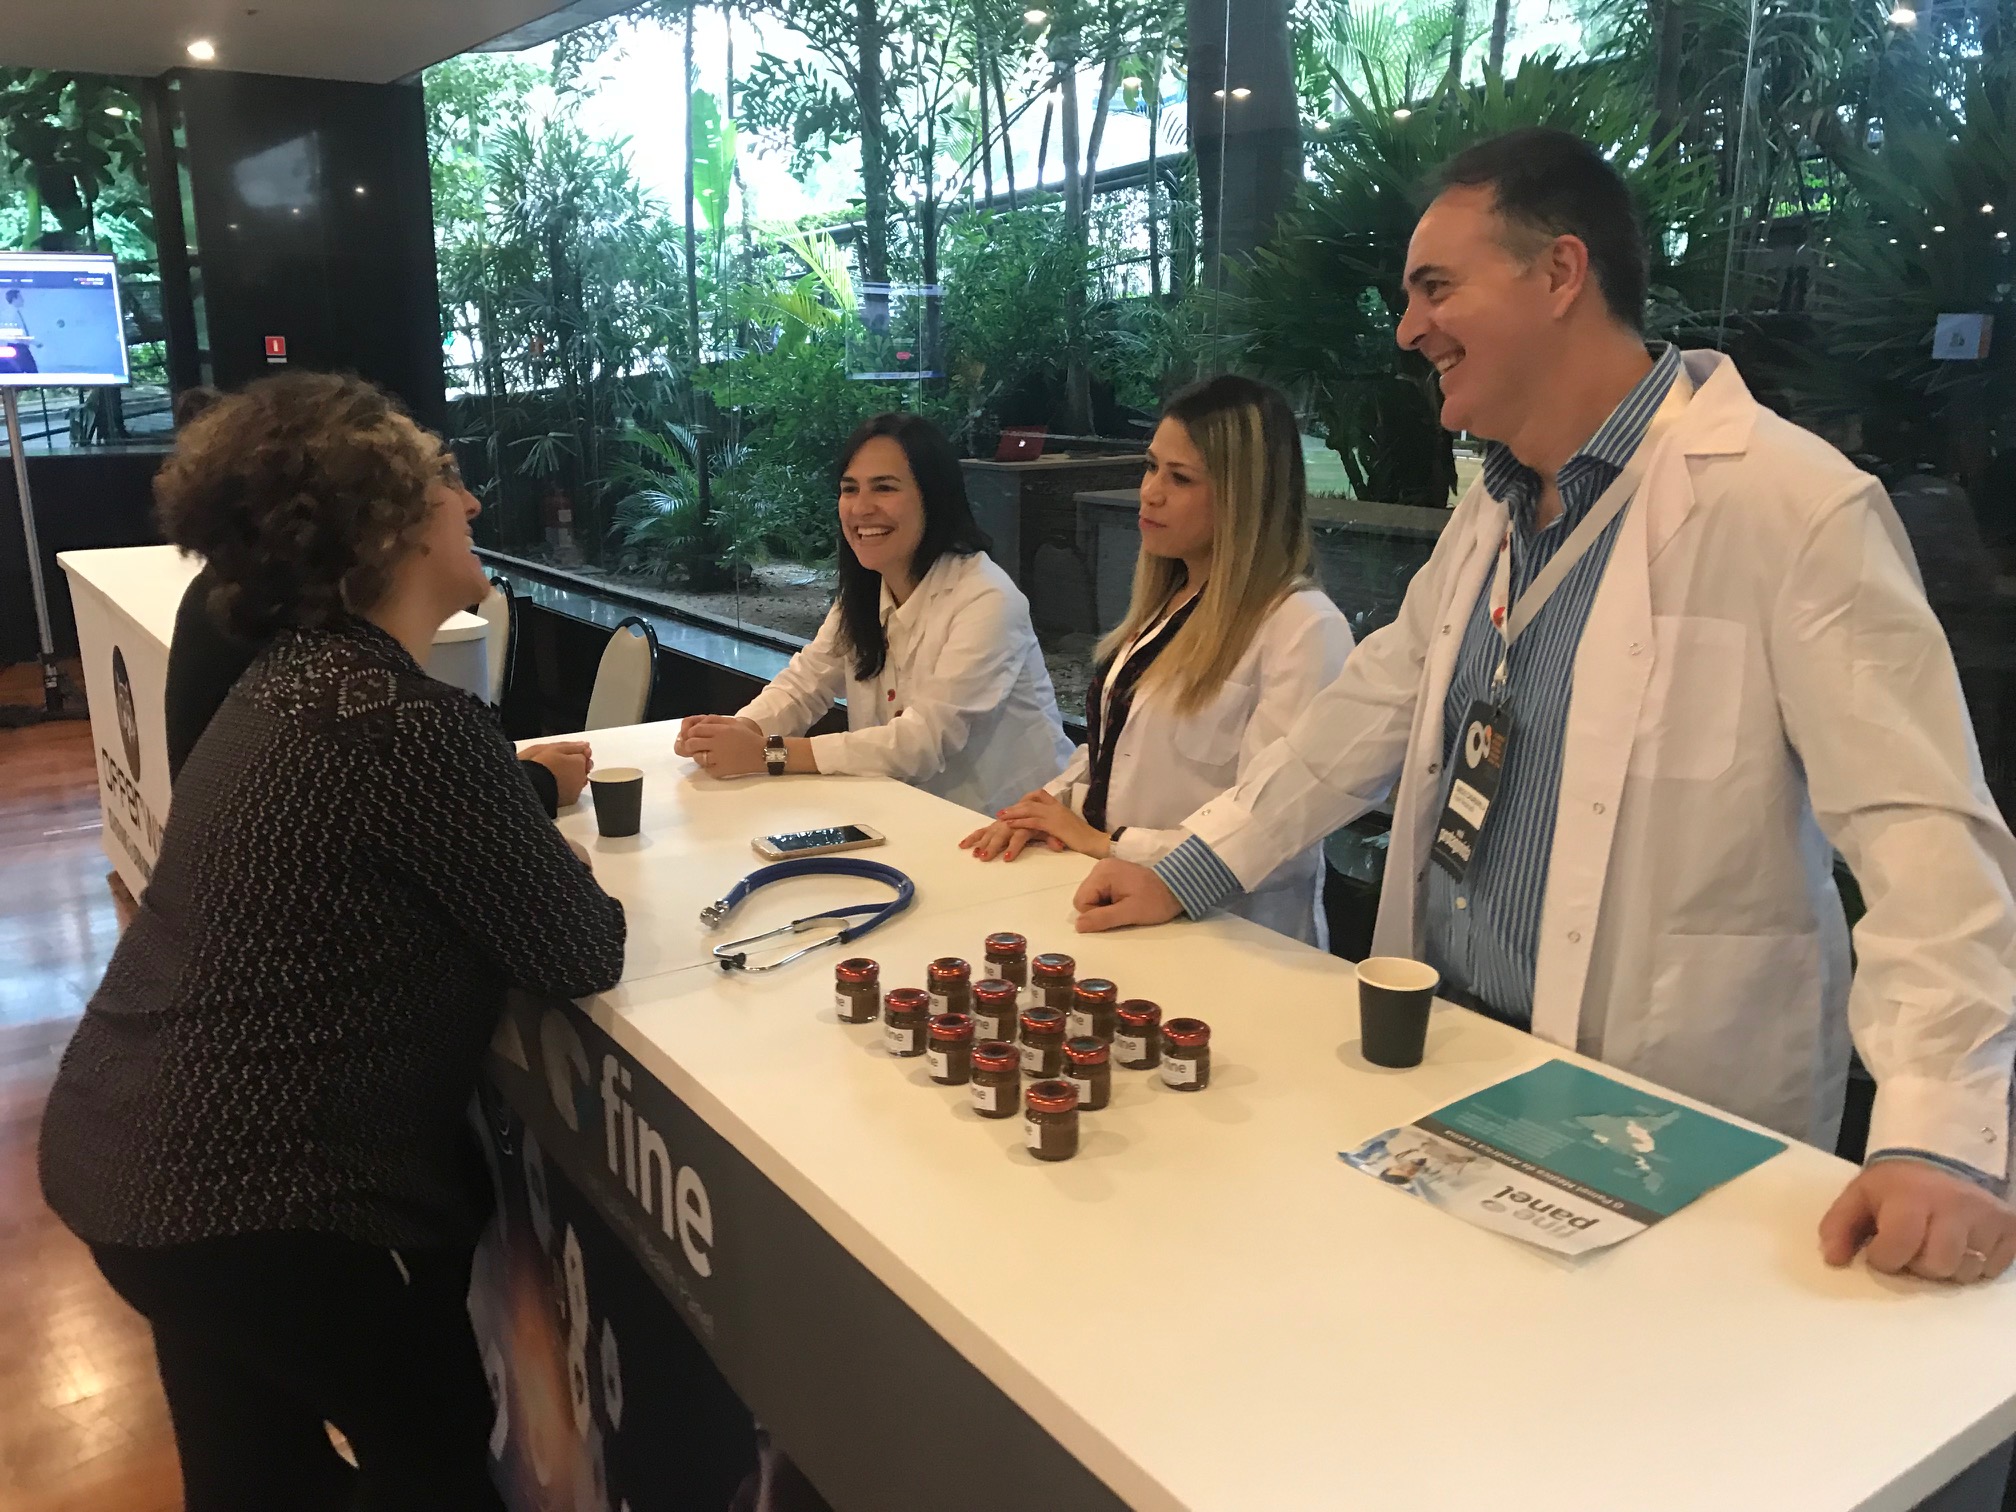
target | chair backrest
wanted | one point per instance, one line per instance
(625, 678)
(500, 638)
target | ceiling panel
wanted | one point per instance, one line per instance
(372, 41)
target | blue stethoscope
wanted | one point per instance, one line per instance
(734, 955)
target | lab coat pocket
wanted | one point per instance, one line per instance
(1212, 735)
(1735, 1021)
(1693, 701)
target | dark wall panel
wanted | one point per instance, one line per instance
(82, 500)
(314, 222)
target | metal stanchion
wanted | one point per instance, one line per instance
(54, 705)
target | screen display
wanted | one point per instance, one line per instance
(60, 321)
(818, 839)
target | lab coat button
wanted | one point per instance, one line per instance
(1434, 767)
(1597, 806)
(1574, 937)
(1445, 629)
(1462, 902)
(1634, 648)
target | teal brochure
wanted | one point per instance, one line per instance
(1562, 1157)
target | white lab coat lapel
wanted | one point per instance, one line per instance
(1613, 668)
(1416, 801)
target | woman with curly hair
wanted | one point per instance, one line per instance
(205, 659)
(260, 1127)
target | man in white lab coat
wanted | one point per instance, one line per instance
(1697, 631)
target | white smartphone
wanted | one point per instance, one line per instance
(817, 842)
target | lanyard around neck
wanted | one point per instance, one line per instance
(1511, 623)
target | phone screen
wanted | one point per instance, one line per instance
(817, 839)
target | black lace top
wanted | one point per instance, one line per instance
(353, 872)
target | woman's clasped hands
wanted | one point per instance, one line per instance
(1038, 816)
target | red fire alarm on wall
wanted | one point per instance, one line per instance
(276, 348)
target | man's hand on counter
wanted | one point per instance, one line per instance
(1118, 893)
(1908, 1215)
(570, 762)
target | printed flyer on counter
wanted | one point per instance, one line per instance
(1563, 1158)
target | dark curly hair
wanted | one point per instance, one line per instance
(300, 492)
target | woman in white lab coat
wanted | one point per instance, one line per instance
(928, 640)
(1225, 642)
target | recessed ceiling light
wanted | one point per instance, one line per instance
(1035, 17)
(1903, 15)
(360, 188)
(1402, 113)
(203, 50)
(1938, 228)
(1132, 81)
(1241, 92)
(1987, 209)
(117, 112)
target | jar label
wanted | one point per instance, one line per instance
(987, 1099)
(1028, 997)
(991, 1024)
(899, 1041)
(939, 1062)
(941, 1002)
(1078, 1024)
(1084, 1090)
(843, 1005)
(1130, 1047)
(1179, 1073)
(1032, 1059)
(1032, 1134)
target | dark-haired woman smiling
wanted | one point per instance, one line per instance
(929, 641)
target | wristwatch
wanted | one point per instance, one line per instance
(774, 756)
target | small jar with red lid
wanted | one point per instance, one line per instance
(949, 1051)
(996, 1087)
(1137, 1035)
(1186, 1054)
(905, 1013)
(1042, 1042)
(1050, 1120)
(1088, 1066)
(1008, 961)
(1092, 1000)
(857, 991)
(997, 1009)
(1052, 978)
(951, 984)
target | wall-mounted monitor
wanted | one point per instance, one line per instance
(60, 321)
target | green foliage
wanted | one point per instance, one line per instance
(562, 280)
(1322, 303)
(73, 162)
(665, 531)
(713, 163)
(1917, 244)
(1009, 278)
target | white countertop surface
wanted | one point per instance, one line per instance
(1273, 1330)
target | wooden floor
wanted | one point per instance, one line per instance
(82, 1424)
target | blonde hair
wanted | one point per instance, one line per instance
(1260, 547)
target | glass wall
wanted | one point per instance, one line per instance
(666, 306)
(73, 178)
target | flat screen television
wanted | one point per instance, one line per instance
(60, 321)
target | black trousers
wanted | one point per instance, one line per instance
(262, 1338)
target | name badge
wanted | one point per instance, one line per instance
(1480, 765)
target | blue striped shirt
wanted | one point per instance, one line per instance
(1483, 934)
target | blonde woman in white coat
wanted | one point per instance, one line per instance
(1225, 642)
(929, 642)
